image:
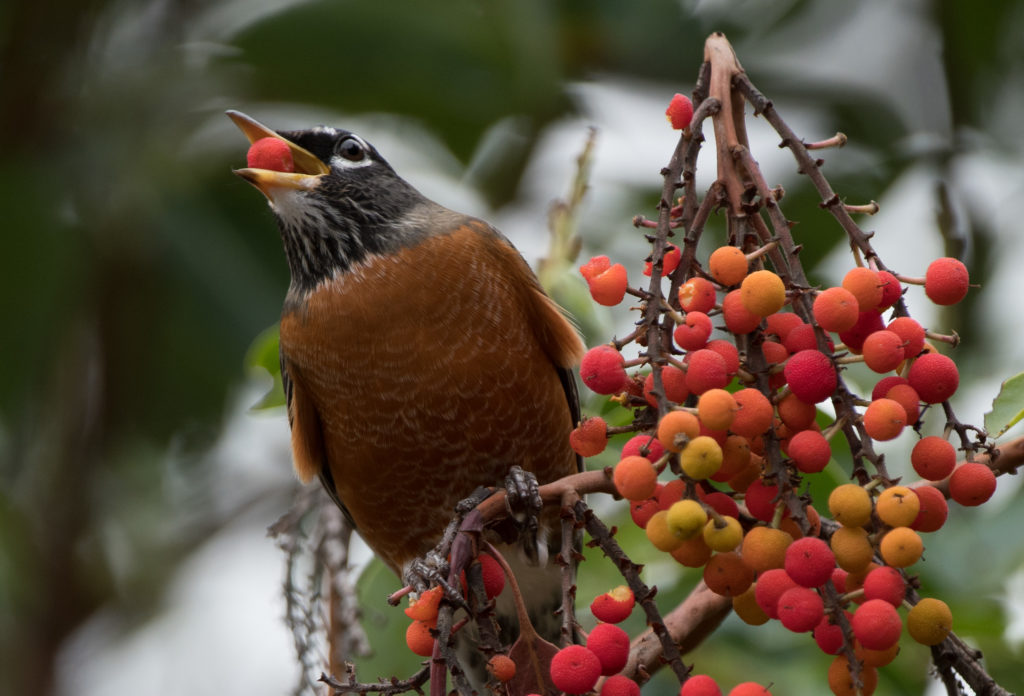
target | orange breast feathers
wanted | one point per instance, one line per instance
(421, 374)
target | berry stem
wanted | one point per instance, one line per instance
(837, 140)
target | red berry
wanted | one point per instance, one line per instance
(669, 261)
(589, 437)
(933, 512)
(697, 295)
(800, 609)
(642, 511)
(946, 281)
(620, 686)
(809, 450)
(907, 397)
(722, 503)
(738, 319)
(876, 624)
(700, 685)
(912, 334)
(865, 285)
(679, 111)
(673, 382)
(728, 352)
(810, 561)
(828, 636)
(883, 386)
(811, 376)
(891, 289)
(781, 323)
(867, 323)
(603, 370)
(885, 583)
(771, 584)
(760, 499)
(749, 689)
(645, 446)
(575, 670)
(613, 606)
(693, 334)
(972, 483)
(705, 369)
(270, 153)
(933, 458)
(934, 376)
(611, 645)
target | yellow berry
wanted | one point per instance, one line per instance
(901, 547)
(702, 458)
(898, 506)
(929, 621)
(724, 538)
(728, 265)
(763, 293)
(685, 518)
(747, 608)
(850, 505)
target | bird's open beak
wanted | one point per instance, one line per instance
(308, 167)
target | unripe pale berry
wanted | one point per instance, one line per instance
(811, 375)
(728, 265)
(946, 281)
(763, 293)
(934, 376)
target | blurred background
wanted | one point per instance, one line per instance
(137, 481)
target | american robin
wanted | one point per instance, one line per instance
(420, 356)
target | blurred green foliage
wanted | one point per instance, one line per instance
(137, 271)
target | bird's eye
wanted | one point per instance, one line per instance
(352, 150)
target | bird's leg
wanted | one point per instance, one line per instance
(524, 504)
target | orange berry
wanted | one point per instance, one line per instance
(590, 437)
(764, 548)
(866, 286)
(883, 351)
(836, 309)
(929, 621)
(726, 574)
(796, 414)
(716, 409)
(745, 606)
(419, 640)
(850, 505)
(660, 534)
(609, 287)
(972, 483)
(426, 606)
(697, 295)
(635, 478)
(728, 265)
(754, 415)
(693, 552)
(763, 293)
(595, 267)
(852, 549)
(901, 547)
(840, 680)
(884, 419)
(502, 668)
(897, 506)
(676, 429)
(946, 281)
(911, 332)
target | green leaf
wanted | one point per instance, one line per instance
(263, 354)
(1007, 408)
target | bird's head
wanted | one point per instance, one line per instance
(341, 203)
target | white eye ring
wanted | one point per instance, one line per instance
(357, 154)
